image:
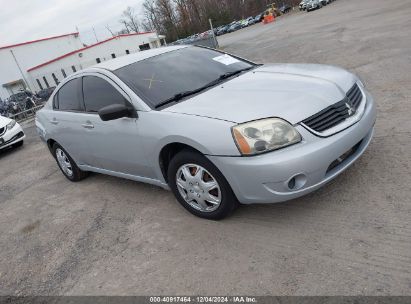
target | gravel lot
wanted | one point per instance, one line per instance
(115, 237)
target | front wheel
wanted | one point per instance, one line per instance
(200, 187)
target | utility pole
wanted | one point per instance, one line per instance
(95, 35)
(21, 71)
(212, 31)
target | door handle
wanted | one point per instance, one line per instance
(88, 126)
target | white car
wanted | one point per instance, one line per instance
(11, 133)
(313, 4)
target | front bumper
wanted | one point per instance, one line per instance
(12, 137)
(267, 178)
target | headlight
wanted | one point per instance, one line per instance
(11, 124)
(264, 135)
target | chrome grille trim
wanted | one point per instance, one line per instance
(338, 116)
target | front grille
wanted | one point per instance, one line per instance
(15, 137)
(354, 96)
(336, 113)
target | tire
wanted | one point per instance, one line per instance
(67, 165)
(196, 175)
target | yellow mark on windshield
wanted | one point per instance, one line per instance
(152, 80)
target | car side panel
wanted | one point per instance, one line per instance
(64, 128)
(208, 136)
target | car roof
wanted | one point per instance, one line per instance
(123, 61)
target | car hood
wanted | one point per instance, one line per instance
(4, 121)
(289, 91)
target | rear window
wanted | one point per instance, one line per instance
(159, 78)
(69, 97)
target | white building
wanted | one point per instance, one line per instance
(51, 72)
(43, 63)
(16, 59)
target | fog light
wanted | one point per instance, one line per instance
(297, 182)
(291, 183)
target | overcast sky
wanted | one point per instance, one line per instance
(23, 20)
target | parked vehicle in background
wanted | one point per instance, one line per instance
(20, 97)
(313, 5)
(250, 21)
(3, 108)
(285, 8)
(232, 131)
(23, 100)
(236, 25)
(45, 93)
(243, 23)
(310, 5)
(303, 5)
(11, 133)
(222, 30)
(259, 18)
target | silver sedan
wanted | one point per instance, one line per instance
(213, 128)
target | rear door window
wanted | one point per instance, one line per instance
(98, 93)
(69, 97)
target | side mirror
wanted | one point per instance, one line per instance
(114, 111)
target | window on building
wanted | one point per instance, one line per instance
(144, 47)
(69, 96)
(64, 73)
(46, 82)
(55, 78)
(98, 94)
(127, 52)
(113, 55)
(73, 68)
(39, 84)
(98, 60)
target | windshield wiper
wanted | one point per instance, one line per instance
(181, 95)
(231, 74)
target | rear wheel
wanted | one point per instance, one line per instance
(200, 187)
(67, 165)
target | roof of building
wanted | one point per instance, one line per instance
(85, 48)
(38, 40)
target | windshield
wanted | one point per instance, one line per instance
(160, 78)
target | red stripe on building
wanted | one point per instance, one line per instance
(38, 40)
(85, 48)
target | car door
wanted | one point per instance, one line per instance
(114, 145)
(66, 118)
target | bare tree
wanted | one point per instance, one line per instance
(109, 29)
(150, 23)
(123, 32)
(181, 18)
(130, 20)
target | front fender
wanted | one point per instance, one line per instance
(207, 135)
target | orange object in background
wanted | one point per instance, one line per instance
(268, 19)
